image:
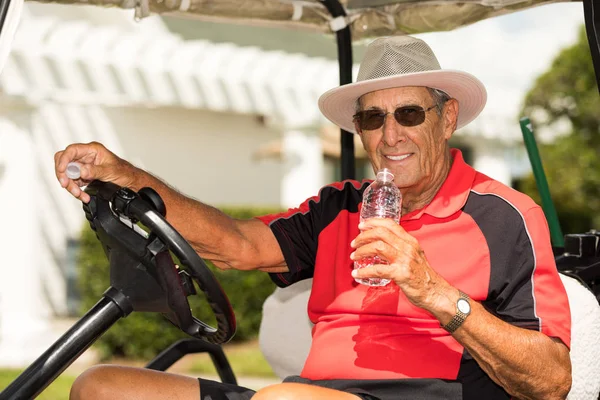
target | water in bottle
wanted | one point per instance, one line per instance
(381, 199)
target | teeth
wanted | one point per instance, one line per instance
(398, 158)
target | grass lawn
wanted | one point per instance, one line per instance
(58, 390)
(245, 359)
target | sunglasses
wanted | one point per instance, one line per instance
(369, 120)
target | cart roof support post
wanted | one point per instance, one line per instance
(339, 24)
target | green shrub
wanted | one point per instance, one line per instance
(144, 335)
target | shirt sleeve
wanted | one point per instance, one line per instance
(532, 295)
(296, 231)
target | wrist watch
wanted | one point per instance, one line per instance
(463, 309)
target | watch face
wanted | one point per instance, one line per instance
(463, 306)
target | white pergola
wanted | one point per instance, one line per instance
(78, 62)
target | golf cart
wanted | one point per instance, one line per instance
(115, 207)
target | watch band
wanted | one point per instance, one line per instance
(460, 316)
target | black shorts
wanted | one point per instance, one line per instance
(212, 390)
(373, 389)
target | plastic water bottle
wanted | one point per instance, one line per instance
(382, 199)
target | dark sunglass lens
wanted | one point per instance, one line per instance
(371, 119)
(410, 115)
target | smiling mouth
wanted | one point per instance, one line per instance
(398, 158)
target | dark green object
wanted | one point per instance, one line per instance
(556, 234)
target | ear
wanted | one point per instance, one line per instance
(450, 116)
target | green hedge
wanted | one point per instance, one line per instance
(143, 335)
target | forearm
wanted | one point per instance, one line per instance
(527, 364)
(227, 242)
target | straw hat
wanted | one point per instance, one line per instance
(397, 61)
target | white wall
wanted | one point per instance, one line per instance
(206, 155)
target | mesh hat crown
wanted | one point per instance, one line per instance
(396, 56)
(399, 61)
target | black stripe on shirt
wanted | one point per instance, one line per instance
(512, 259)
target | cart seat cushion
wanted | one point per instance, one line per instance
(585, 340)
(285, 334)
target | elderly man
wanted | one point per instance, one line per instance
(475, 309)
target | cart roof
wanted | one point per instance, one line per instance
(368, 18)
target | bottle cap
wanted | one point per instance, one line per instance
(385, 175)
(73, 170)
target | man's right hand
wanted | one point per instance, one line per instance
(96, 163)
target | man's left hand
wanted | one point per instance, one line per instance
(408, 267)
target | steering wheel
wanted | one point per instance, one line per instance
(159, 286)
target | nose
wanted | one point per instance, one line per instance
(392, 131)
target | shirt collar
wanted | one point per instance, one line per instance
(453, 194)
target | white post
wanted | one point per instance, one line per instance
(302, 166)
(24, 315)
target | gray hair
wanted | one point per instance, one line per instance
(438, 96)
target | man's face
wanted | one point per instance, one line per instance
(413, 154)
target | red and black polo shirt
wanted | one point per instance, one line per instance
(483, 237)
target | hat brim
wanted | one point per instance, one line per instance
(339, 104)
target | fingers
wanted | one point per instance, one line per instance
(60, 174)
(376, 248)
(74, 188)
(387, 233)
(387, 240)
(86, 155)
(61, 159)
(83, 153)
(375, 234)
(405, 262)
(384, 223)
(382, 271)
